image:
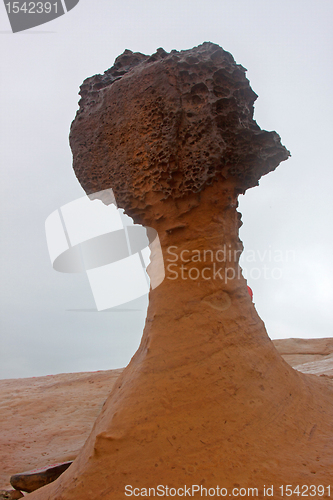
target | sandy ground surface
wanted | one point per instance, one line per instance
(46, 420)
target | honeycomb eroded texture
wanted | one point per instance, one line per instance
(170, 123)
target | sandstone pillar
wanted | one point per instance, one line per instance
(206, 400)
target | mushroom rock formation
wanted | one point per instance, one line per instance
(206, 400)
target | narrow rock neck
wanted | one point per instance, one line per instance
(200, 242)
(203, 290)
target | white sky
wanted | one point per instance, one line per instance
(286, 47)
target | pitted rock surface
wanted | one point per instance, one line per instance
(171, 123)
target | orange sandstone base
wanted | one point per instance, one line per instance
(206, 400)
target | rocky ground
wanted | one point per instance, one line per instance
(46, 420)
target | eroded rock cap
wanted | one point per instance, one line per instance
(170, 123)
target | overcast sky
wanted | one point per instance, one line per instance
(286, 46)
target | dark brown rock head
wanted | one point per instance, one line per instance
(170, 124)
